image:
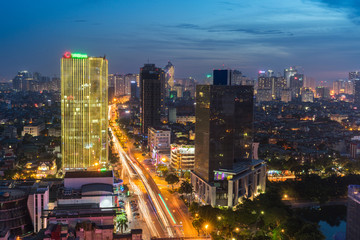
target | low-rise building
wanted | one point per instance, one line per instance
(159, 142)
(33, 129)
(246, 180)
(182, 157)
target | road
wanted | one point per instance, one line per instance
(169, 215)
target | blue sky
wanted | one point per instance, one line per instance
(321, 36)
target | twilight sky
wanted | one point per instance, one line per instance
(320, 36)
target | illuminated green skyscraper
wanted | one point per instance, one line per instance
(84, 111)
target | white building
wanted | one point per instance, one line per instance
(37, 203)
(307, 95)
(182, 157)
(33, 129)
(230, 186)
(159, 142)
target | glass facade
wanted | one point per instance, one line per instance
(84, 110)
(224, 127)
(152, 92)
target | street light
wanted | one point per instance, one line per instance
(237, 229)
(219, 218)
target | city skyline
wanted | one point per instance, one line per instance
(317, 35)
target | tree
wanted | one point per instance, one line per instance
(186, 188)
(172, 179)
(187, 175)
(163, 169)
(197, 224)
(121, 222)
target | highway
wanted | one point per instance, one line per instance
(164, 213)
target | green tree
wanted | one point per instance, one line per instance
(121, 222)
(197, 224)
(163, 169)
(187, 175)
(172, 179)
(186, 188)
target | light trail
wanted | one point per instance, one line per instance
(144, 211)
(159, 210)
(152, 194)
(167, 208)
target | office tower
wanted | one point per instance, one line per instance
(223, 145)
(134, 90)
(354, 75)
(237, 78)
(349, 87)
(169, 76)
(309, 82)
(224, 127)
(307, 95)
(296, 83)
(269, 87)
(222, 77)
(152, 92)
(128, 78)
(357, 91)
(84, 110)
(24, 81)
(339, 86)
(322, 92)
(289, 73)
(353, 213)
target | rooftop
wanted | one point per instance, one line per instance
(88, 174)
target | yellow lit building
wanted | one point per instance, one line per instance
(84, 109)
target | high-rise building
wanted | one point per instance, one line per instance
(24, 81)
(339, 86)
(84, 110)
(170, 76)
(307, 95)
(288, 73)
(296, 83)
(152, 93)
(224, 171)
(323, 92)
(222, 77)
(354, 75)
(224, 127)
(357, 91)
(270, 87)
(353, 213)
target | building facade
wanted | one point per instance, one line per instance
(84, 109)
(152, 93)
(353, 213)
(182, 157)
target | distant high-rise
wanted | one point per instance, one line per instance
(354, 75)
(84, 111)
(170, 76)
(353, 213)
(288, 73)
(222, 77)
(24, 81)
(152, 92)
(357, 91)
(224, 127)
(296, 83)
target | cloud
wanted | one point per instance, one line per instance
(350, 7)
(187, 26)
(231, 28)
(80, 20)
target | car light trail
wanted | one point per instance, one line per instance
(167, 208)
(135, 170)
